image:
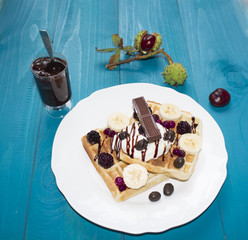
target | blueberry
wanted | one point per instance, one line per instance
(169, 135)
(179, 162)
(168, 189)
(123, 135)
(154, 196)
(141, 144)
(93, 137)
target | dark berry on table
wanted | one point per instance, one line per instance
(105, 160)
(106, 131)
(166, 124)
(172, 124)
(154, 196)
(141, 130)
(123, 135)
(179, 162)
(135, 115)
(111, 133)
(93, 137)
(168, 189)
(169, 135)
(119, 181)
(141, 144)
(220, 97)
(122, 187)
(147, 42)
(183, 127)
(155, 117)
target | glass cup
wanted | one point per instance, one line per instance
(53, 83)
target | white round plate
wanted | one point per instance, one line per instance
(87, 193)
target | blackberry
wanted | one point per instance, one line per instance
(105, 160)
(183, 127)
(93, 137)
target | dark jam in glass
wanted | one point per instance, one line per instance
(52, 79)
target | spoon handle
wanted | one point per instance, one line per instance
(47, 42)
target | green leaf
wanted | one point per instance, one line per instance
(117, 40)
(106, 49)
(115, 58)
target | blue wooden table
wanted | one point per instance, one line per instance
(209, 37)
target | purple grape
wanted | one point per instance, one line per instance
(172, 124)
(111, 133)
(122, 187)
(119, 181)
(106, 131)
(166, 124)
(159, 121)
(176, 151)
(181, 153)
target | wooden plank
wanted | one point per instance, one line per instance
(20, 108)
(82, 25)
(161, 17)
(216, 39)
(164, 17)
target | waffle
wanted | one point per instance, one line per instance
(164, 164)
(116, 170)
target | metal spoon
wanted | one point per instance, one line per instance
(53, 65)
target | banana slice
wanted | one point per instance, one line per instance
(170, 111)
(117, 121)
(190, 143)
(135, 176)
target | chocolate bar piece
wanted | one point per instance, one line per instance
(141, 107)
(146, 119)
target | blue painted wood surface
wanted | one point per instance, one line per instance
(208, 37)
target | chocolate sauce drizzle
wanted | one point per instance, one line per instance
(193, 125)
(99, 148)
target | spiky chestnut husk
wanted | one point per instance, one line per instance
(175, 74)
(140, 36)
(138, 39)
(158, 42)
